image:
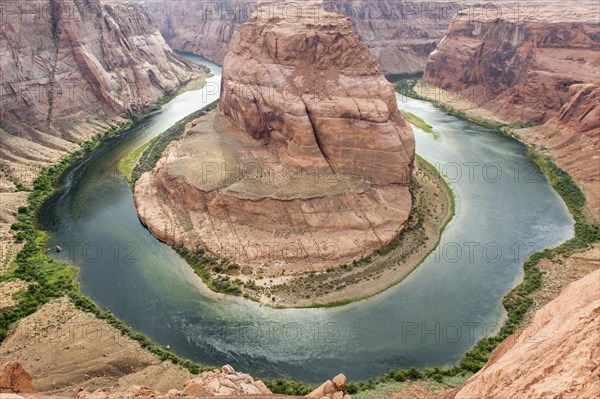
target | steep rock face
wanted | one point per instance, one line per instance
(542, 71)
(286, 178)
(315, 88)
(69, 68)
(573, 139)
(400, 35)
(521, 71)
(557, 356)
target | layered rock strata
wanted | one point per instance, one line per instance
(540, 69)
(69, 68)
(305, 167)
(400, 35)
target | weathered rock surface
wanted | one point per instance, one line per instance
(286, 177)
(520, 70)
(555, 357)
(68, 69)
(14, 379)
(223, 382)
(331, 389)
(314, 88)
(400, 35)
(573, 138)
(542, 69)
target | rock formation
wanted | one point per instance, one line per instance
(14, 379)
(331, 389)
(573, 139)
(521, 71)
(220, 382)
(556, 356)
(400, 35)
(306, 167)
(314, 88)
(539, 69)
(70, 67)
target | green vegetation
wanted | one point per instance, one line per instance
(396, 77)
(47, 279)
(155, 148)
(206, 265)
(418, 122)
(128, 163)
(286, 387)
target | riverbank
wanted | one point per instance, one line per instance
(40, 286)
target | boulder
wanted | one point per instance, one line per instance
(15, 379)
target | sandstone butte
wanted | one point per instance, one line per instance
(306, 165)
(68, 69)
(539, 69)
(400, 35)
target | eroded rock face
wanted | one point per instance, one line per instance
(68, 68)
(14, 379)
(519, 70)
(313, 87)
(539, 70)
(573, 139)
(557, 356)
(287, 179)
(400, 35)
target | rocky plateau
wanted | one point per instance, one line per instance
(305, 166)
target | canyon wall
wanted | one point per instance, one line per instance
(71, 67)
(305, 166)
(541, 69)
(400, 35)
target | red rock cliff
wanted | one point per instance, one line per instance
(313, 86)
(541, 69)
(306, 166)
(68, 67)
(400, 35)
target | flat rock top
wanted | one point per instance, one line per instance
(215, 155)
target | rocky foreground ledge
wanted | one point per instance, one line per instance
(16, 383)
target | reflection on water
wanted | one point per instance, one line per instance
(429, 319)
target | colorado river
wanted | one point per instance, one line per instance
(505, 209)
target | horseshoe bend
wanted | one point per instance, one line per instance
(305, 166)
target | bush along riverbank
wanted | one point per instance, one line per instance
(144, 158)
(406, 87)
